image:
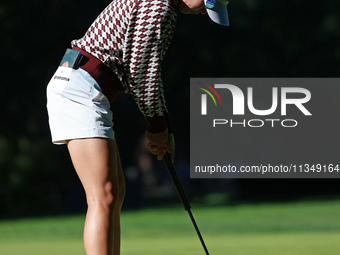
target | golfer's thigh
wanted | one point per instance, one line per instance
(97, 165)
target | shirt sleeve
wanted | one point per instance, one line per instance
(148, 38)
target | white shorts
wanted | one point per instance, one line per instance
(76, 107)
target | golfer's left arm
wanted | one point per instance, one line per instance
(146, 86)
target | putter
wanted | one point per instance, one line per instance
(180, 191)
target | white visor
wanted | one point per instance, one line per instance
(217, 11)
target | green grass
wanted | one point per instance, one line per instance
(282, 229)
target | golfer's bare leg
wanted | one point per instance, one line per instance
(119, 203)
(98, 166)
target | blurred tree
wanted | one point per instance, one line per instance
(265, 39)
(34, 175)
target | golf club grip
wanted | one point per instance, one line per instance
(168, 162)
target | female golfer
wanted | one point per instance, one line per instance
(121, 52)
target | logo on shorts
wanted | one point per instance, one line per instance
(61, 78)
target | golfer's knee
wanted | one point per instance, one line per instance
(104, 196)
(110, 193)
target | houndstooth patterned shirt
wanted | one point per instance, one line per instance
(131, 37)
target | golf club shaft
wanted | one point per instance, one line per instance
(180, 191)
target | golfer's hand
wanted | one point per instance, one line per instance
(161, 143)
